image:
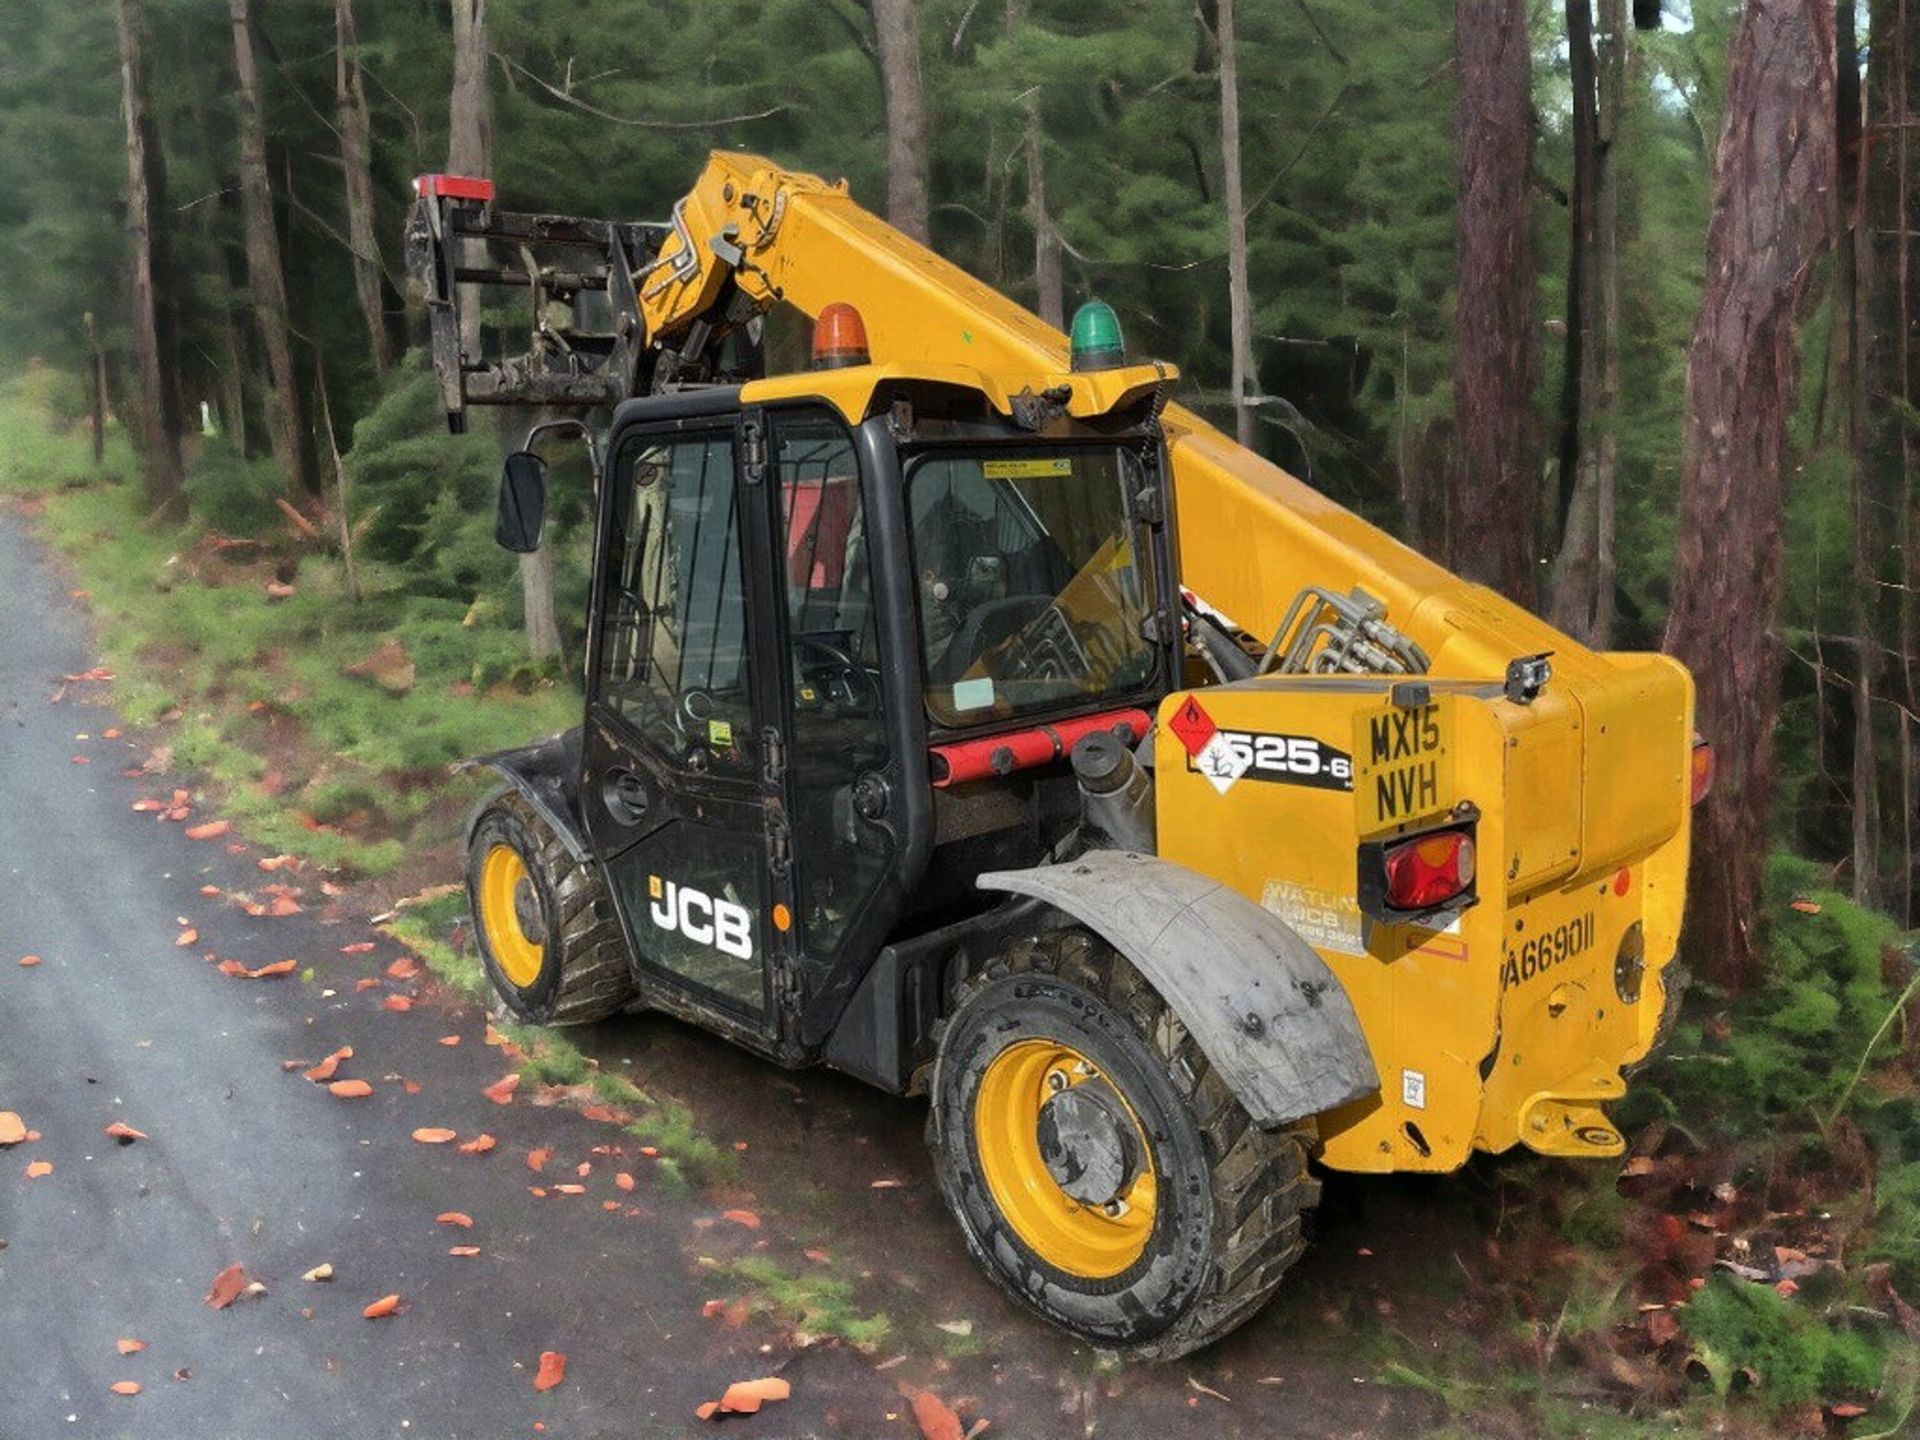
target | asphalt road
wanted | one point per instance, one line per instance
(246, 1162)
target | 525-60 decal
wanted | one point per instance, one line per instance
(1231, 755)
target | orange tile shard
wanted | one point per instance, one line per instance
(745, 1397)
(379, 1310)
(553, 1369)
(324, 1070)
(501, 1091)
(935, 1419)
(227, 1286)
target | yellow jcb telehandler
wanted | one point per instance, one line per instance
(963, 715)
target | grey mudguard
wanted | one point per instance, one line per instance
(1263, 1007)
(547, 772)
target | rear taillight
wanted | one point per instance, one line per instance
(1429, 871)
(1702, 770)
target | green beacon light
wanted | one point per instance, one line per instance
(1096, 342)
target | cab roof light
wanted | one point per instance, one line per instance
(839, 337)
(1094, 341)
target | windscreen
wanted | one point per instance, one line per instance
(1033, 581)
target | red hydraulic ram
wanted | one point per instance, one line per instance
(1027, 749)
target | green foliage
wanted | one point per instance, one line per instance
(1736, 1326)
(40, 450)
(816, 1304)
(1792, 1044)
(232, 492)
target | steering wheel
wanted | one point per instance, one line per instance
(862, 685)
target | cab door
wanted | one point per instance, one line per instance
(682, 756)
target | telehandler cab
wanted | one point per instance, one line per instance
(906, 752)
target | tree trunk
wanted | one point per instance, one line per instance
(350, 100)
(1493, 502)
(470, 152)
(97, 389)
(1850, 287)
(1239, 296)
(470, 133)
(896, 30)
(1614, 58)
(266, 279)
(1773, 176)
(1905, 76)
(159, 452)
(1049, 288)
(1584, 573)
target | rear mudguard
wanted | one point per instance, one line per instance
(547, 772)
(1263, 1007)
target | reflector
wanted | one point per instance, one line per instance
(1429, 871)
(1702, 770)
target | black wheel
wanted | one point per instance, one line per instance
(546, 929)
(1102, 1173)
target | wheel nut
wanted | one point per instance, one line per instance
(1114, 1209)
(1056, 1081)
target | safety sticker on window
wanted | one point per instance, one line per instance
(1053, 468)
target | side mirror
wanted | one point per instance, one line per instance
(523, 502)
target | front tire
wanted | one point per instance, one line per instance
(1101, 1172)
(545, 927)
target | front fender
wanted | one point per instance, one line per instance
(547, 772)
(1262, 1006)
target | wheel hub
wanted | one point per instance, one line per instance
(1086, 1142)
(526, 910)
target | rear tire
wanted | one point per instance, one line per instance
(545, 927)
(1227, 1197)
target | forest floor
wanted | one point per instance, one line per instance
(776, 1225)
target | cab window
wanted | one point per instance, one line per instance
(674, 657)
(1033, 580)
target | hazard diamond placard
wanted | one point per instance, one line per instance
(1192, 726)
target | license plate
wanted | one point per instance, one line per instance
(1403, 763)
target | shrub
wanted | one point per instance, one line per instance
(1735, 1325)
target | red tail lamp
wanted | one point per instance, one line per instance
(839, 337)
(1430, 870)
(1702, 770)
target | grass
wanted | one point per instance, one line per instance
(460, 971)
(818, 1305)
(208, 658)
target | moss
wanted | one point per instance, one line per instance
(462, 973)
(1798, 1356)
(815, 1303)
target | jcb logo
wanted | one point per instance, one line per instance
(702, 918)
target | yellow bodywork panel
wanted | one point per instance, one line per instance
(1508, 1025)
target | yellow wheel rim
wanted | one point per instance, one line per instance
(501, 876)
(1092, 1241)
